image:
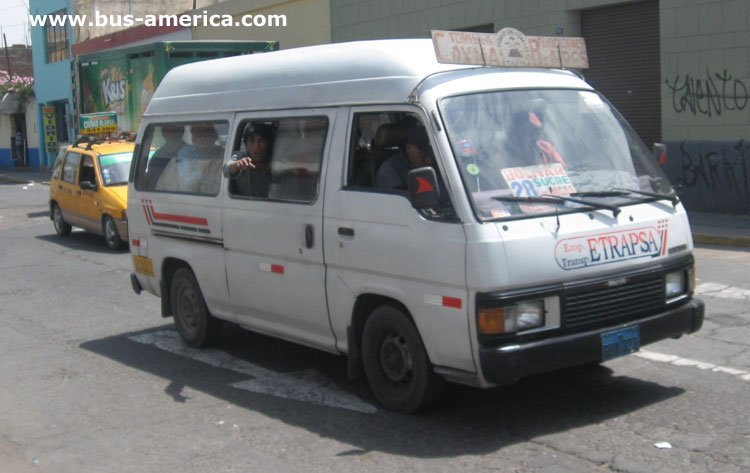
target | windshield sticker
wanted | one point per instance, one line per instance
(533, 181)
(472, 169)
(466, 148)
(538, 180)
(612, 247)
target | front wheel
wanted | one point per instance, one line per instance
(111, 237)
(62, 228)
(196, 326)
(396, 363)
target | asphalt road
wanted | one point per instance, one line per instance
(93, 380)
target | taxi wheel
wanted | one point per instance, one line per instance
(196, 326)
(111, 237)
(396, 363)
(62, 228)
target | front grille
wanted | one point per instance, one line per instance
(599, 304)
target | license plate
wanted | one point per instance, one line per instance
(620, 342)
(143, 265)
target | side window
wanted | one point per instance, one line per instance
(87, 173)
(57, 172)
(184, 157)
(286, 154)
(380, 158)
(70, 167)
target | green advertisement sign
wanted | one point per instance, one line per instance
(119, 86)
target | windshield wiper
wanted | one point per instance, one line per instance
(596, 205)
(552, 199)
(617, 193)
(670, 197)
(528, 200)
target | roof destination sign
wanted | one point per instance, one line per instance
(509, 48)
(94, 123)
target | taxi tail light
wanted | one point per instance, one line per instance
(124, 215)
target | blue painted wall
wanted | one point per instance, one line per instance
(52, 81)
(5, 158)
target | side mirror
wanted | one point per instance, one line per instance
(659, 151)
(424, 192)
(88, 186)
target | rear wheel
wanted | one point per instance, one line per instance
(62, 228)
(396, 363)
(111, 237)
(196, 326)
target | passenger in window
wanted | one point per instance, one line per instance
(173, 142)
(251, 171)
(525, 136)
(416, 152)
(197, 167)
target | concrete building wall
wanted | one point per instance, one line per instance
(137, 8)
(308, 22)
(705, 73)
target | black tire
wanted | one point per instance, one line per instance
(111, 236)
(396, 363)
(62, 228)
(196, 326)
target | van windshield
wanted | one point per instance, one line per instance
(532, 152)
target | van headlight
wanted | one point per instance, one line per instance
(676, 285)
(517, 317)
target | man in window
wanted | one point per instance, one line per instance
(197, 167)
(251, 172)
(416, 152)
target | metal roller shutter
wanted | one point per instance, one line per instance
(624, 62)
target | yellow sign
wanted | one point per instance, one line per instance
(49, 129)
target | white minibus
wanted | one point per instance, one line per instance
(433, 222)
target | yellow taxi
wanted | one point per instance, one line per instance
(89, 189)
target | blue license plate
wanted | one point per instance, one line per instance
(620, 342)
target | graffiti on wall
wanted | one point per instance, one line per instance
(722, 169)
(710, 95)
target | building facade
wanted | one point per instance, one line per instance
(678, 70)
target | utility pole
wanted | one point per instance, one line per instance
(7, 56)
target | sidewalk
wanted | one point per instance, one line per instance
(708, 228)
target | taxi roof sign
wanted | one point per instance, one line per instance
(510, 48)
(95, 123)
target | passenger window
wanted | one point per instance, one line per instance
(286, 154)
(87, 174)
(381, 153)
(70, 167)
(385, 146)
(183, 157)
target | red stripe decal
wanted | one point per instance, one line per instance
(452, 302)
(179, 218)
(277, 268)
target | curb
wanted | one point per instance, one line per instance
(721, 240)
(18, 180)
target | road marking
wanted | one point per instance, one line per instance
(723, 291)
(307, 386)
(678, 361)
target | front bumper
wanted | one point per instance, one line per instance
(508, 363)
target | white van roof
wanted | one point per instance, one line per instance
(360, 72)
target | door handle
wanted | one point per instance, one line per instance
(346, 231)
(309, 236)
